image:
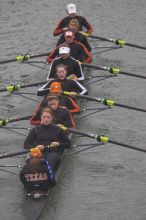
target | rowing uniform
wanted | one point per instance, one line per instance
(44, 135)
(73, 67)
(78, 37)
(68, 85)
(60, 116)
(66, 20)
(77, 50)
(65, 101)
(36, 178)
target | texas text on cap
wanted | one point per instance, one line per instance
(64, 50)
(71, 8)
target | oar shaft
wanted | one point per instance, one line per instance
(12, 88)
(101, 38)
(22, 58)
(20, 118)
(80, 132)
(132, 74)
(112, 70)
(110, 103)
(104, 139)
(118, 42)
(127, 145)
(14, 154)
(94, 66)
(7, 61)
(130, 107)
(135, 45)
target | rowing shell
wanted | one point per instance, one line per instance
(35, 202)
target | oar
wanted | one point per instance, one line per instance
(116, 41)
(102, 139)
(22, 58)
(113, 70)
(13, 87)
(5, 155)
(107, 102)
(4, 122)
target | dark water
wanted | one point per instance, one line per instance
(108, 182)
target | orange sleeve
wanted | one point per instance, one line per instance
(58, 30)
(53, 54)
(35, 120)
(76, 108)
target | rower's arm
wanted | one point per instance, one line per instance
(30, 140)
(44, 90)
(82, 90)
(52, 70)
(65, 141)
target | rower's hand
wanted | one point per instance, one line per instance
(73, 94)
(73, 76)
(41, 147)
(60, 125)
(54, 144)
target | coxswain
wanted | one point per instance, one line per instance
(74, 27)
(72, 14)
(65, 101)
(36, 174)
(77, 50)
(74, 69)
(68, 85)
(61, 115)
(49, 138)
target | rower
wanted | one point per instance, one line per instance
(35, 174)
(74, 69)
(65, 101)
(68, 85)
(61, 115)
(74, 27)
(77, 50)
(72, 14)
(48, 134)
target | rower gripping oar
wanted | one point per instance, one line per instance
(113, 70)
(102, 138)
(116, 41)
(107, 102)
(5, 155)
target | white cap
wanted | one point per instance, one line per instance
(71, 8)
(64, 50)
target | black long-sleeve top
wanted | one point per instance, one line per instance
(66, 85)
(78, 37)
(65, 22)
(44, 135)
(72, 65)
